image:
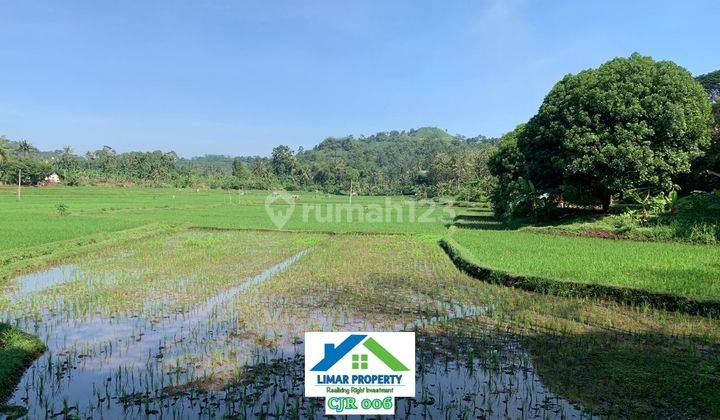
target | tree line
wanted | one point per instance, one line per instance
(425, 162)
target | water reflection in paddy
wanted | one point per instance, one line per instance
(162, 361)
(28, 284)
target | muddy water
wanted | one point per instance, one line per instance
(167, 364)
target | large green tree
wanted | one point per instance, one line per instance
(239, 170)
(631, 123)
(508, 166)
(701, 176)
(283, 161)
(104, 159)
(32, 170)
(67, 160)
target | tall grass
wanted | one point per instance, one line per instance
(17, 350)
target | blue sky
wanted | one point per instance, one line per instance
(236, 77)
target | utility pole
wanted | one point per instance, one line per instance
(19, 176)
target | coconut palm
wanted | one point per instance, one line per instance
(4, 150)
(25, 149)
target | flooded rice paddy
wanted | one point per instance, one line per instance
(206, 324)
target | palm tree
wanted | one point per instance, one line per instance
(4, 150)
(25, 149)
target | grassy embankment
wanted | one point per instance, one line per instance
(674, 276)
(17, 351)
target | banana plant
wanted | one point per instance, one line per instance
(653, 205)
(671, 201)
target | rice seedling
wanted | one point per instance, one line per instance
(381, 283)
(210, 323)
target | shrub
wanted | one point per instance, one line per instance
(705, 233)
(699, 205)
(62, 209)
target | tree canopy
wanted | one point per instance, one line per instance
(631, 123)
(507, 164)
(283, 161)
(427, 161)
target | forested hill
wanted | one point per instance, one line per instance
(394, 148)
(425, 161)
(711, 83)
(397, 160)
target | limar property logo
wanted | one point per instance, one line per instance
(360, 372)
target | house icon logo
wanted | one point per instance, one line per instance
(334, 354)
(359, 373)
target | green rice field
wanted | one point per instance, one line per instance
(35, 220)
(677, 268)
(187, 303)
